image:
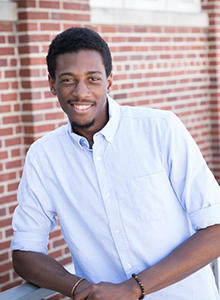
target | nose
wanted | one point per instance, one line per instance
(80, 90)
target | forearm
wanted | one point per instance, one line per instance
(43, 271)
(193, 254)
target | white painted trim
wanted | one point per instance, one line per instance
(187, 6)
(8, 12)
(119, 16)
(70, 268)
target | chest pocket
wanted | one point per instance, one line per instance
(146, 196)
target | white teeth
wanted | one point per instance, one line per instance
(82, 107)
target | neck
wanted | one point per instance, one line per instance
(95, 127)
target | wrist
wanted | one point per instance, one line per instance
(76, 284)
(133, 287)
(140, 284)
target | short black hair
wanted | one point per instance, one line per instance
(75, 39)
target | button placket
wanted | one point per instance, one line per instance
(111, 207)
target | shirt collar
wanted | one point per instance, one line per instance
(111, 127)
(109, 130)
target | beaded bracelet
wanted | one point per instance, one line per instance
(75, 286)
(140, 285)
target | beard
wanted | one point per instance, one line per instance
(75, 125)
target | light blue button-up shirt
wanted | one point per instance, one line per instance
(123, 205)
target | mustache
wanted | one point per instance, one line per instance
(82, 101)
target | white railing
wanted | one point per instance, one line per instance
(29, 291)
(26, 291)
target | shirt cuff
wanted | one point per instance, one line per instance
(27, 242)
(206, 217)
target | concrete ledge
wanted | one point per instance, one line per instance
(8, 12)
(118, 16)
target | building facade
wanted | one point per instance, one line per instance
(165, 55)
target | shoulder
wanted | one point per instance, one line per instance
(49, 141)
(148, 115)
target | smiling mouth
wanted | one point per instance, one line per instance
(81, 107)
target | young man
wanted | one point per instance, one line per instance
(138, 206)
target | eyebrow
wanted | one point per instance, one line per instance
(72, 74)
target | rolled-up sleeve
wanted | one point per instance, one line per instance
(33, 217)
(191, 179)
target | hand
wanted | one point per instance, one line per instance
(127, 290)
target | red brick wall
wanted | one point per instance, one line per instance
(173, 68)
(11, 142)
(213, 49)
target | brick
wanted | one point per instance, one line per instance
(4, 109)
(15, 152)
(2, 212)
(49, 4)
(70, 17)
(34, 38)
(50, 27)
(141, 29)
(54, 116)
(27, 27)
(44, 128)
(10, 120)
(5, 131)
(76, 6)
(38, 84)
(10, 74)
(4, 86)
(13, 62)
(125, 29)
(13, 164)
(16, 107)
(7, 51)
(13, 141)
(26, 3)
(28, 49)
(8, 265)
(32, 118)
(33, 61)
(2, 39)
(9, 97)
(4, 256)
(108, 29)
(14, 85)
(12, 208)
(4, 223)
(11, 39)
(4, 278)
(30, 95)
(55, 233)
(3, 154)
(7, 199)
(33, 15)
(55, 254)
(37, 106)
(9, 233)
(6, 27)
(3, 62)
(65, 261)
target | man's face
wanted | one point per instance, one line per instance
(81, 86)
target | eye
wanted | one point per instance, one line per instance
(94, 79)
(66, 80)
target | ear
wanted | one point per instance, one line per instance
(52, 85)
(109, 83)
